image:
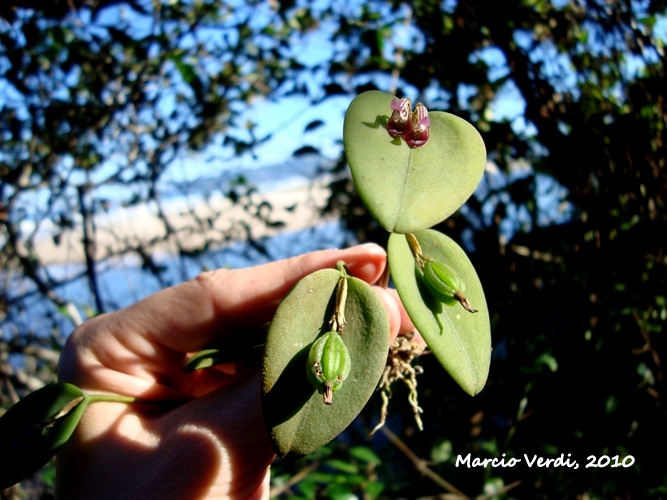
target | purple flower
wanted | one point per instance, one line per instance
(399, 123)
(419, 132)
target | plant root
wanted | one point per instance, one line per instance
(399, 367)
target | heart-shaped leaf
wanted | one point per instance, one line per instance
(34, 429)
(298, 420)
(460, 340)
(409, 189)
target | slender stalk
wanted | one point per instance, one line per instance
(284, 488)
(416, 249)
(383, 282)
(115, 398)
(421, 465)
(337, 320)
(89, 244)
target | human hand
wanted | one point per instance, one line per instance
(211, 441)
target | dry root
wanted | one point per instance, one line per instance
(399, 367)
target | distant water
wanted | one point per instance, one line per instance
(125, 281)
(293, 172)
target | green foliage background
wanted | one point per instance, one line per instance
(578, 307)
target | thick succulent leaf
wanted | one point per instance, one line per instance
(409, 189)
(298, 420)
(460, 340)
(34, 429)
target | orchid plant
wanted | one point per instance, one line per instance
(412, 170)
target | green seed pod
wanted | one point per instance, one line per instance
(330, 362)
(444, 284)
(441, 280)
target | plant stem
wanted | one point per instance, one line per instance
(421, 465)
(337, 321)
(115, 398)
(416, 249)
(383, 282)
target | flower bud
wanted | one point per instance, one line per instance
(420, 123)
(330, 362)
(400, 121)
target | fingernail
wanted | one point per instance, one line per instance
(372, 248)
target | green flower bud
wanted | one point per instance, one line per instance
(330, 362)
(444, 284)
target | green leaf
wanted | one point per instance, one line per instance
(409, 189)
(34, 429)
(298, 420)
(341, 492)
(441, 452)
(364, 454)
(373, 489)
(322, 477)
(460, 340)
(549, 361)
(307, 488)
(342, 465)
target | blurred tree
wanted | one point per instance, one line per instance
(566, 230)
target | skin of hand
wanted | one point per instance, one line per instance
(211, 441)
